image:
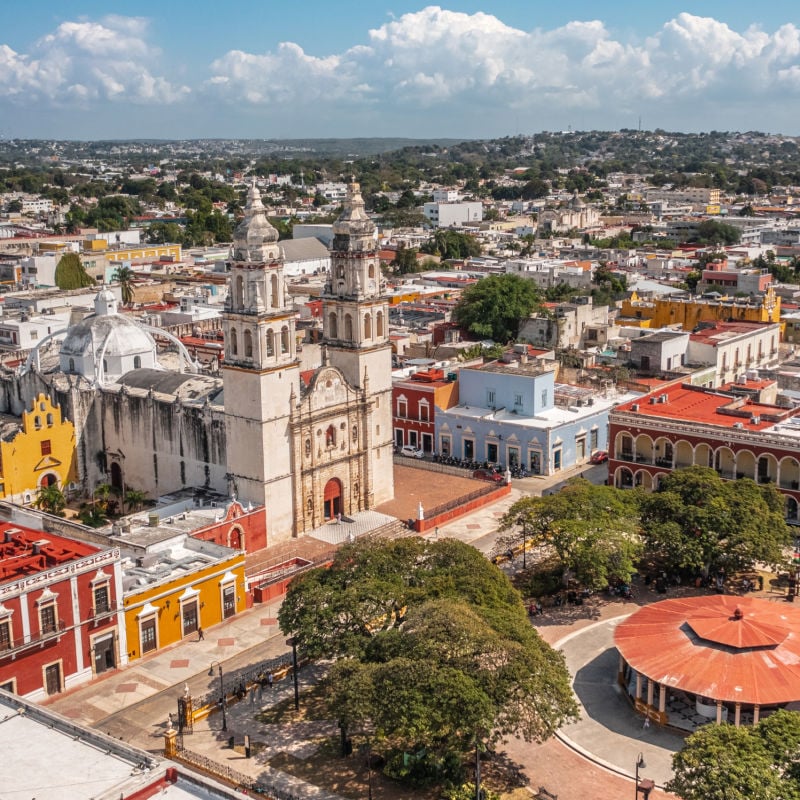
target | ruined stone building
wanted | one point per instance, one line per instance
(307, 444)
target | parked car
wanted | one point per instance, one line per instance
(411, 451)
(488, 475)
(600, 457)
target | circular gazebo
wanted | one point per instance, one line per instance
(692, 660)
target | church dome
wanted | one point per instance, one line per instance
(106, 345)
(255, 240)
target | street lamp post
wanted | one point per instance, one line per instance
(293, 643)
(221, 693)
(639, 765)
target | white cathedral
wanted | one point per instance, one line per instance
(307, 445)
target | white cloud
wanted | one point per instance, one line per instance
(87, 61)
(436, 56)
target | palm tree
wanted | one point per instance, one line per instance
(124, 277)
(50, 499)
(134, 498)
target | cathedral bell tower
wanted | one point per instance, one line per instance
(355, 330)
(260, 371)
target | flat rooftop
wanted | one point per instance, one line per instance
(25, 552)
(686, 403)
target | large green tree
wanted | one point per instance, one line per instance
(696, 520)
(494, 307)
(723, 762)
(433, 648)
(592, 530)
(70, 273)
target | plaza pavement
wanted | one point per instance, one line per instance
(593, 758)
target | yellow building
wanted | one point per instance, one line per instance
(37, 451)
(186, 586)
(688, 313)
(150, 252)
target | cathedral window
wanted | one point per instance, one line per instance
(137, 362)
(330, 436)
(367, 326)
(379, 324)
(234, 342)
(72, 365)
(308, 447)
(348, 327)
(248, 344)
(372, 271)
(284, 339)
(238, 294)
(355, 433)
(333, 327)
(275, 297)
(270, 343)
(49, 420)
(105, 366)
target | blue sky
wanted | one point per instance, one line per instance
(326, 68)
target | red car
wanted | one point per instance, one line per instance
(600, 457)
(488, 475)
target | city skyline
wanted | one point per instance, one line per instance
(322, 70)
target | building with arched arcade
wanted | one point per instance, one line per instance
(738, 430)
(720, 658)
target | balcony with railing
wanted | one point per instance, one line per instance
(11, 646)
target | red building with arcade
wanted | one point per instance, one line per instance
(738, 430)
(60, 617)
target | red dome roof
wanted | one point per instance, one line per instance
(735, 649)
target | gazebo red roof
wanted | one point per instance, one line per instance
(724, 647)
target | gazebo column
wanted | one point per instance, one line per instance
(650, 688)
(719, 712)
(737, 717)
(756, 710)
(662, 698)
(638, 695)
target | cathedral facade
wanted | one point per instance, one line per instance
(309, 445)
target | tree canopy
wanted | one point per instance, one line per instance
(70, 273)
(696, 520)
(433, 645)
(493, 307)
(723, 762)
(593, 530)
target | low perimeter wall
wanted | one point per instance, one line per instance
(443, 515)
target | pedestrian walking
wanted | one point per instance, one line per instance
(252, 695)
(200, 635)
(271, 681)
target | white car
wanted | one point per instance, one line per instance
(411, 451)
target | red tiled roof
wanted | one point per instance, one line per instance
(702, 646)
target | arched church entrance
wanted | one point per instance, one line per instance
(116, 476)
(333, 498)
(49, 479)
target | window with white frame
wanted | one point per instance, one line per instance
(6, 633)
(48, 617)
(402, 407)
(424, 411)
(102, 599)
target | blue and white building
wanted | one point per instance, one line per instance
(516, 413)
